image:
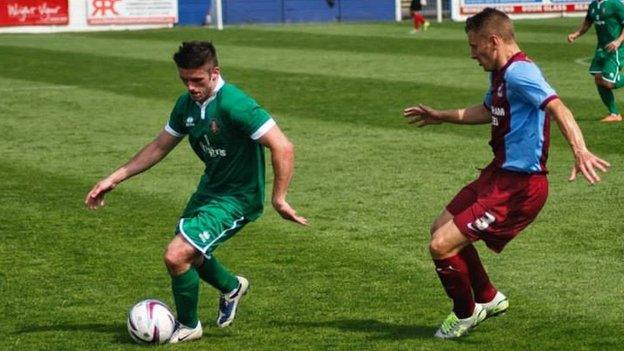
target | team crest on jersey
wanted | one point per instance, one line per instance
(214, 127)
(190, 121)
(499, 91)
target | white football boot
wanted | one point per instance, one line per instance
(183, 333)
(229, 304)
(453, 327)
(498, 306)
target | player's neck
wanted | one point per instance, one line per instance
(505, 54)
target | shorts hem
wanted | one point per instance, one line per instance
(189, 240)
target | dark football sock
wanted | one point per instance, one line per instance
(185, 289)
(482, 288)
(453, 273)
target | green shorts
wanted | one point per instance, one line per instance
(207, 224)
(607, 63)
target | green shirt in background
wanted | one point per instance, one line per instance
(608, 18)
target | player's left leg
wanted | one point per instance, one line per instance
(608, 99)
(232, 288)
(446, 243)
(494, 302)
(483, 290)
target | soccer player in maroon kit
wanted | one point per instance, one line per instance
(513, 188)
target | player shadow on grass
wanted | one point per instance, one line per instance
(376, 329)
(118, 330)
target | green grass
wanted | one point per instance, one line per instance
(75, 106)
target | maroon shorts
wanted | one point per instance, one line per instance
(498, 205)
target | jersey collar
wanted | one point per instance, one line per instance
(220, 84)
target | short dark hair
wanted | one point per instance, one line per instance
(194, 54)
(491, 21)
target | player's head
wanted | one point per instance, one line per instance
(491, 21)
(198, 68)
(195, 54)
(489, 31)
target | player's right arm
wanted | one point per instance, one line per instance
(423, 115)
(150, 155)
(580, 31)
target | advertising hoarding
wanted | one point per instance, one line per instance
(33, 12)
(104, 12)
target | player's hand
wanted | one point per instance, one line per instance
(95, 197)
(283, 208)
(586, 162)
(573, 36)
(613, 46)
(422, 115)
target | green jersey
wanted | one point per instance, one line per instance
(223, 132)
(608, 17)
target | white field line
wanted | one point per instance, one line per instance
(35, 88)
(583, 61)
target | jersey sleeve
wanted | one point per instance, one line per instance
(176, 125)
(588, 17)
(252, 119)
(619, 11)
(527, 82)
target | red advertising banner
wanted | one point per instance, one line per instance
(525, 9)
(33, 12)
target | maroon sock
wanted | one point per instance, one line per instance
(453, 273)
(482, 288)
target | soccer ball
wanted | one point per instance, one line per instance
(151, 322)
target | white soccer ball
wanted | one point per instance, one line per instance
(151, 322)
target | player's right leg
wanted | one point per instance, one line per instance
(179, 257)
(446, 243)
(206, 227)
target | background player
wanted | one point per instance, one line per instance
(418, 20)
(227, 130)
(512, 189)
(608, 16)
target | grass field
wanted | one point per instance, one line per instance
(75, 106)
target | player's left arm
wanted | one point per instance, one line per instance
(283, 162)
(585, 161)
(619, 14)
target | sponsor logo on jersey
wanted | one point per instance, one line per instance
(497, 113)
(190, 121)
(209, 150)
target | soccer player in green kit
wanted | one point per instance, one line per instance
(227, 130)
(608, 17)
